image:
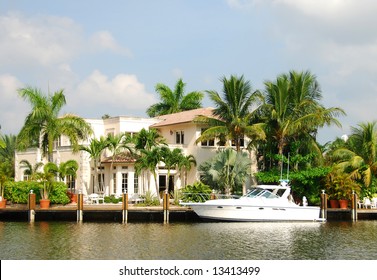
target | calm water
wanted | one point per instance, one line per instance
(186, 241)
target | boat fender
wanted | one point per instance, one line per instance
(304, 201)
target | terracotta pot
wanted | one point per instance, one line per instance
(74, 198)
(3, 203)
(44, 203)
(334, 203)
(343, 203)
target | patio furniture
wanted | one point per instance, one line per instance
(374, 203)
(101, 197)
(135, 198)
(94, 198)
(367, 203)
(360, 204)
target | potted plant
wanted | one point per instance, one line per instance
(339, 186)
(3, 201)
(69, 169)
(50, 171)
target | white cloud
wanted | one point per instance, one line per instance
(40, 50)
(103, 40)
(49, 40)
(43, 40)
(120, 95)
(12, 108)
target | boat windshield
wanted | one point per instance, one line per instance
(258, 192)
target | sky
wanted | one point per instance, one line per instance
(109, 55)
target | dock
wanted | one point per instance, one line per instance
(113, 213)
(98, 212)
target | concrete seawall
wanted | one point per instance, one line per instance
(113, 213)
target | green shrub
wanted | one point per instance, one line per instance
(150, 200)
(112, 199)
(197, 192)
(18, 192)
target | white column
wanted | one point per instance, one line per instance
(131, 187)
(119, 180)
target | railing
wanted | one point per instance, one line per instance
(202, 197)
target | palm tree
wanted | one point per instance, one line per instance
(174, 101)
(149, 160)
(7, 154)
(184, 165)
(147, 143)
(95, 150)
(30, 170)
(43, 125)
(171, 159)
(228, 170)
(292, 110)
(48, 176)
(68, 168)
(359, 157)
(233, 118)
(117, 143)
(147, 139)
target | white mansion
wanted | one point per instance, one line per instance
(118, 175)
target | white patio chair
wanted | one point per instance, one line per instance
(93, 198)
(367, 203)
(135, 198)
(101, 197)
(374, 203)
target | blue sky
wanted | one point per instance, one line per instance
(109, 55)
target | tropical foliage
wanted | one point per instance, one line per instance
(95, 149)
(293, 114)
(18, 192)
(227, 171)
(233, 116)
(43, 125)
(174, 101)
(357, 158)
(197, 192)
(7, 152)
(280, 120)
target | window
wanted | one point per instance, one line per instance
(242, 142)
(57, 143)
(124, 182)
(71, 183)
(101, 182)
(179, 137)
(114, 182)
(208, 143)
(136, 184)
(26, 177)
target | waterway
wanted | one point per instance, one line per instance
(188, 241)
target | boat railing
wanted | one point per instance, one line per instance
(202, 197)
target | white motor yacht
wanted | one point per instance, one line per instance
(262, 203)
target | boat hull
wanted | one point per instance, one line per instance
(245, 213)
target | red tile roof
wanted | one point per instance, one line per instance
(124, 157)
(183, 117)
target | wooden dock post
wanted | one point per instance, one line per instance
(323, 205)
(125, 207)
(213, 195)
(166, 206)
(31, 206)
(80, 206)
(354, 206)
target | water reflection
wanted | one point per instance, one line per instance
(267, 241)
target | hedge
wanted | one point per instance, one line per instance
(18, 192)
